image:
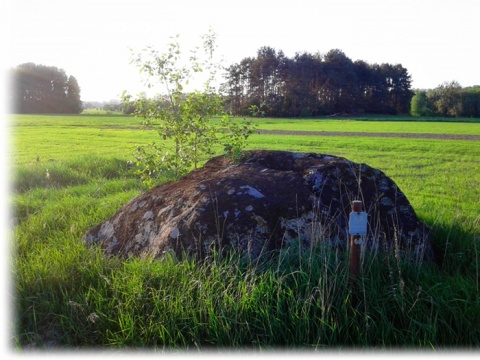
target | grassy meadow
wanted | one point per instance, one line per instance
(71, 172)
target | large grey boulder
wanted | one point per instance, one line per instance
(268, 200)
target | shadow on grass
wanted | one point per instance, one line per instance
(456, 248)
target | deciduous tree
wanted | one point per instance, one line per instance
(184, 118)
(418, 106)
(74, 103)
(448, 99)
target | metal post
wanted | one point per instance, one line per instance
(357, 229)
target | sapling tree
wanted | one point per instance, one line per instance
(188, 134)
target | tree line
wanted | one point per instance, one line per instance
(448, 100)
(40, 89)
(272, 84)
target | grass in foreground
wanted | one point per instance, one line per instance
(287, 300)
(71, 296)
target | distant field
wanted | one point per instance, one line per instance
(384, 126)
(111, 135)
(55, 138)
(71, 172)
(101, 112)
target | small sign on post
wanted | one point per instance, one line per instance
(357, 229)
(358, 223)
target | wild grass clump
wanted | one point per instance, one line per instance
(72, 296)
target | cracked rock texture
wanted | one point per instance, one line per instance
(268, 200)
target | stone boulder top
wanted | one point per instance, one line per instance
(266, 201)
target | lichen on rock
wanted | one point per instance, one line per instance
(267, 201)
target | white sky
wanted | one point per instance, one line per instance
(436, 40)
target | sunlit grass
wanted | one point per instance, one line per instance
(71, 296)
(354, 125)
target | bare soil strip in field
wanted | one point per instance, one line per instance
(372, 134)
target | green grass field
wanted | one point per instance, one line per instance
(385, 126)
(71, 172)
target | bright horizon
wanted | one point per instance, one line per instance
(436, 41)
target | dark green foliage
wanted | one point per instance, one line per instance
(447, 100)
(315, 84)
(74, 103)
(40, 89)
